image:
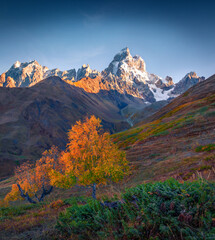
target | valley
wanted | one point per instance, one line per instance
(36, 113)
(167, 135)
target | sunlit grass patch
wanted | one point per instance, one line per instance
(205, 148)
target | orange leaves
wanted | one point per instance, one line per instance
(27, 178)
(33, 179)
(14, 194)
(90, 157)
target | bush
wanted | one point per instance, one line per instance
(210, 114)
(168, 210)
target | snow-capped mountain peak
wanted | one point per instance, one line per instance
(124, 62)
(125, 73)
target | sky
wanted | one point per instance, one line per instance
(173, 37)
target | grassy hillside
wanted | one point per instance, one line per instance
(178, 141)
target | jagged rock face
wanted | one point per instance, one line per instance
(129, 74)
(169, 81)
(29, 74)
(69, 75)
(188, 81)
(23, 74)
(85, 71)
(124, 65)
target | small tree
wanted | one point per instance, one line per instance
(91, 158)
(33, 182)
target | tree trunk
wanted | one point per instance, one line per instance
(25, 196)
(29, 199)
(94, 191)
(45, 192)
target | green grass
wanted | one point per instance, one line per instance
(202, 110)
(156, 128)
(205, 148)
(162, 133)
(11, 211)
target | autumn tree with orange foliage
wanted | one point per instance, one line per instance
(33, 182)
(90, 159)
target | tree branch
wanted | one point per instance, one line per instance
(45, 192)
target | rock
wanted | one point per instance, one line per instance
(85, 71)
(30, 73)
(185, 83)
(169, 81)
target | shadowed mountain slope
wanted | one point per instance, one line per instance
(177, 141)
(33, 119)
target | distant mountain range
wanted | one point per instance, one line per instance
(124, 74)
(38, 105)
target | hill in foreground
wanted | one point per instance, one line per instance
(178, 141)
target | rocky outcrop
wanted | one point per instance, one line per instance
(23, 74)
(30, 73)
(128, 74)
(69, 75)
(86, 71)
(188, 81)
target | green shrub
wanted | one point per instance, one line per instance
(202, 110)
(210, 114)
(168, 210)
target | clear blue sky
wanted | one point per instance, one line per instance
(173, 37)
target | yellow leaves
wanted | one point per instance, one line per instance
(14, 194)
(150, 193)
(91, 156)
(62, 180)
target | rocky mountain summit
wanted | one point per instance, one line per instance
(39, 105)
(30, 73)
(23, 74)
(129, 74)
(125, 74)
(187, 82)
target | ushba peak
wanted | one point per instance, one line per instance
(123, 62)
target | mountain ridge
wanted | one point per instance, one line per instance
(124, 74)
(38, 114)
(33, 119)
